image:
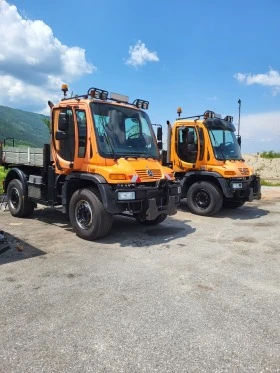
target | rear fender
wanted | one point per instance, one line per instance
(16, 173)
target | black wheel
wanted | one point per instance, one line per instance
(204, 198)
(18, 203)
(233, 204)
(88, 216)
(156, 221)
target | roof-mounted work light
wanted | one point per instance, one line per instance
(228, 118)
(104, 95)
(141, 104)
(145, 105)
(98, 94)
(211, 114)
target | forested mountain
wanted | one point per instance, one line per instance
(27, 129)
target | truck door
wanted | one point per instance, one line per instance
(63, 138)
(187, 144)
(81, 124)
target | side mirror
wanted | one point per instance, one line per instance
(239, 140)
(159, 144)
(63, 122)
(60, 135)
(159, 134)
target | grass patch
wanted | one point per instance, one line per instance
(270, 155)
(3, 173)
(269, 183)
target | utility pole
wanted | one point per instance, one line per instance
(238, 132)
(239, 108)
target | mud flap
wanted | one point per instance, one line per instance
(259, 194)
(256, 188)
(251, 195)
(172, 205)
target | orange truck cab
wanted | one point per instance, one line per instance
(103, 159)
(205, 155)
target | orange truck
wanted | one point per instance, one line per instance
(205, 156)
(103, 159)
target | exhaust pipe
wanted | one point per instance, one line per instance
(169, 131)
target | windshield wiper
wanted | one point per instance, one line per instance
(149, 155)
(237, 159)
(126, 156)
(141, 155)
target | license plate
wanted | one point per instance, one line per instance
(236, 185)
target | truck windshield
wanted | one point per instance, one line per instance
(225, 145)
(123, 132)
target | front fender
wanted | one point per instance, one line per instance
(193, 176)
(97, 180)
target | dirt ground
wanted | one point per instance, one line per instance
(268, 169)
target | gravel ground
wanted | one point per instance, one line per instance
(268, 169)
(194, 294)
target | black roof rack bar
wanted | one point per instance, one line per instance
(74, 97)
(194, 116)
(86, 97)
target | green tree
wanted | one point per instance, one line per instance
(47, 123)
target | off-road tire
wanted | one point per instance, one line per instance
(204, 198)
(156, 221)
(18, 203)
(88, 216)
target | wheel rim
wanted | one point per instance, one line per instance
(14, 198)
(202, 199)
(83, 214)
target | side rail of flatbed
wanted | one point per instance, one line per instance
(21, 156)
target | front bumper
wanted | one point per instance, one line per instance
(149, 201)
(243, 189)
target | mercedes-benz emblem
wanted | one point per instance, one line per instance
(150, 172)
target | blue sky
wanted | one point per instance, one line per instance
(198, 55)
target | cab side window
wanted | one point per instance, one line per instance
(65, 147)
(187, 144)
(201, 144)
(82, 132)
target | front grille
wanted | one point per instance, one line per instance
(155, 174)
(244, 170)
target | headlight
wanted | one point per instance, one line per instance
(123, 196)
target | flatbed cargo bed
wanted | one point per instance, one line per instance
(22, 156)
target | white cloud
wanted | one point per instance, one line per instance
(139, 55)
(260, 132)
(271, 79)
(27, 96)
(33, 62)
(275, 91)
